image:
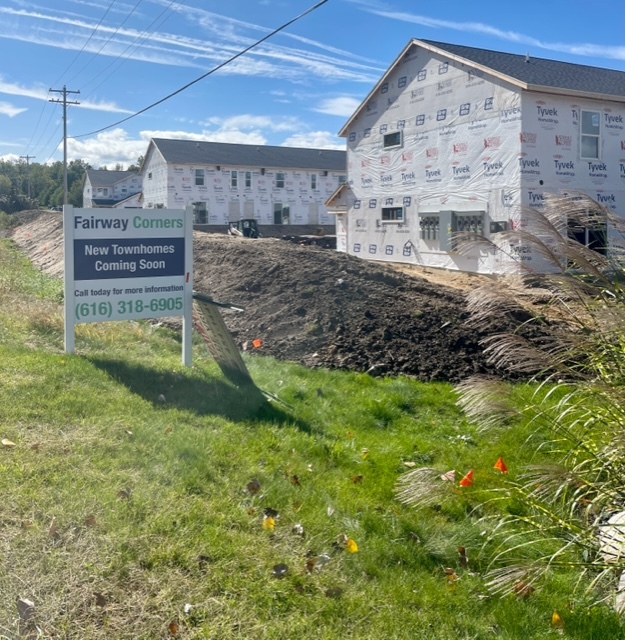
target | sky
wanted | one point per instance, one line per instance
(297, 88)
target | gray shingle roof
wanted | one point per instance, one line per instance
(541, 71)
(102, 178)
(248, 155)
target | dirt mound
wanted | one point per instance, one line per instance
(315, 306)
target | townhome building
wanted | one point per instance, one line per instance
(111, 189)
(227, 182)
(456, 139)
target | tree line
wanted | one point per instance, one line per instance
(44, 183)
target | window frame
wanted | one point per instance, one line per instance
(313, 181)
(199, 177)
(279, 179)
(248, 179)
(385, 212)
(388, 139)
(234, 179)
(593, 136)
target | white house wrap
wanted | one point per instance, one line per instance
(456, 139)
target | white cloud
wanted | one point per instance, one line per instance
(107, 148)
(40, 93)
(226, 38)
(582, 49)
(10, 157)
(315, 140)
(247, 121)
(37, 92)
(7, 109)
(342, 106)
(222, 134)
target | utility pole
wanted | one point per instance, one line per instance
(64, 102)
(27, 158)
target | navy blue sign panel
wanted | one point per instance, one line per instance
(105, 259)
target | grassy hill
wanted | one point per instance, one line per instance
(142, 499)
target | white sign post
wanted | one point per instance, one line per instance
(125, 264)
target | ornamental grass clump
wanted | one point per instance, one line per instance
(566, 512)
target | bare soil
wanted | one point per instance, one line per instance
(318, 307)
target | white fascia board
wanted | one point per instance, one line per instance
(604, 97)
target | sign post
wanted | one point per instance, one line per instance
(126, 264)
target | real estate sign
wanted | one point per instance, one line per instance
(124, 264)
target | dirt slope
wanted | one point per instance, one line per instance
(315, 306)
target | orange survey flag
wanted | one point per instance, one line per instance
(467, 481)
(500, 465)
(257, 343)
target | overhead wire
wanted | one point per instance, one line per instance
(36, 146)
(46, 103)
(208, 73)
(123, 22)
(141, 36)
(87, 41)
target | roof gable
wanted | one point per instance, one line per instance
(104, 178)
(539, 72)
(233, 155)
(525, 72)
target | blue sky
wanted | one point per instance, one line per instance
(297, 88)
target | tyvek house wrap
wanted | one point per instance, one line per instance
(468, 145)
(299, 201)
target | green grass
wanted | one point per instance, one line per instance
(151, 509)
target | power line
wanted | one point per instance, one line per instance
(86, 41)
(208, 73)
(141, 36)
(105, 42)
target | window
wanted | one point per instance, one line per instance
(248, 179)
(234, 179)
(281, 213)
(429, 225)
(392, 214)
(150, 175)
(313, 180)
(497, 226)
(590, 135)
(200, 215)
(280, 180)
(199, 177)
(367, 132)
(342, 179)
(392, 139)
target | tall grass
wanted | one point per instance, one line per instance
(137, 492)
(564, 512)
